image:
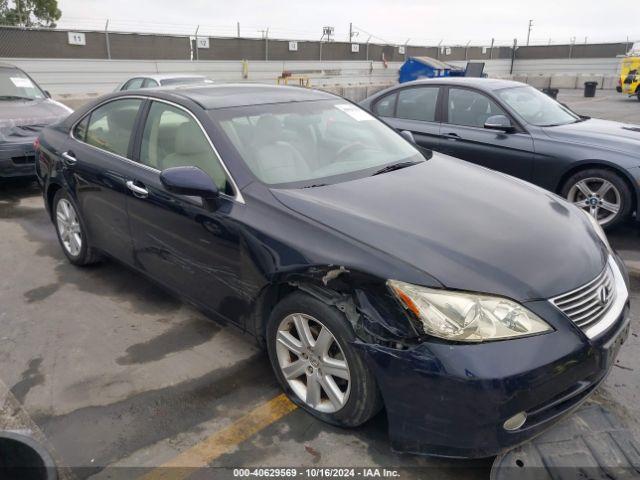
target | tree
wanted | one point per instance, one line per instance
(29, 13)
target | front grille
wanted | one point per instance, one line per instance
(588, 304)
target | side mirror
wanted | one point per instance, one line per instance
(499, 122)
(408, 136)
(189, 181)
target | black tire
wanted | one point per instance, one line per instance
(364, 399)
(626, 196)
(87, 255)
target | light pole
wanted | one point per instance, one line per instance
(529, 31)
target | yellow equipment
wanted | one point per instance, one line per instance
(629, 82)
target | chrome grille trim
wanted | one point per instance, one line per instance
(583, 305)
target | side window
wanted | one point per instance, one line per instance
(80, 132)
(386, 105)
(172, 138)
(418, 103)
(466, 107)
(133, 84)
(111, 125)
(149, 83)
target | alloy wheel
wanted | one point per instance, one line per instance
(313, 363)
(69, 227)
(597, 196)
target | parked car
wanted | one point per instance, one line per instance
(161, 80)
(475, 307)
(24, 110)
(518, 130)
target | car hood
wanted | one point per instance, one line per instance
(24, 118)
(623, 137)
(470, 228)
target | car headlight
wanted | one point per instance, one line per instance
(598, 229)
(466, 317)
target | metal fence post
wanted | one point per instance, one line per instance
(491, 49)
(513, 54)
(106, 39)
(573, 41)
(196, 47)
(266, 45)
(367, 48)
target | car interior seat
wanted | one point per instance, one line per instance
(273, 159)
(120, 125)
(191, 148)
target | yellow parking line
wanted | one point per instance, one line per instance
(204, 452)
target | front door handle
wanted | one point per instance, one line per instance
(139, 192)
(452, 136)
(69, 158)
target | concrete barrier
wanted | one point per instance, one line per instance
(589, 77)
(539, 81)
(520, 77)
(563, 81)
(610, 82)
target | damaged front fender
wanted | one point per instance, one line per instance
(365, 301)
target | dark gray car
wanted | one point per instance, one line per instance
(25, 109)
(516, 129)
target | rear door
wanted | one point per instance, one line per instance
(189, 245)
(414, 109)
(97, 163)
(464, 136)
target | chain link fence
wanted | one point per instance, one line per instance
(18, 42)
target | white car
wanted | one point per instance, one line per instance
(161, 80)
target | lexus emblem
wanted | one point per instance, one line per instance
(603, 295)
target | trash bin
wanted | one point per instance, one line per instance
(590, 89)
(552, 92)
(22, 458)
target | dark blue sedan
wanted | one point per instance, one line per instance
(374, 276)
(516, 129)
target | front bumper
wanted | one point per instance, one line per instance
(17, 159)
(452, 400)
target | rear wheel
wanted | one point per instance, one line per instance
(71, 232)
(602, 193)
(311, 352)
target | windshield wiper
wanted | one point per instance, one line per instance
(393, 166)
(14, 97)
(315, 185)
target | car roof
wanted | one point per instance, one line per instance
(481, 83)
(8, 65)
(239, 95)
(165, 76)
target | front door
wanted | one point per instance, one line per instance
(185, 243)
(463, 135)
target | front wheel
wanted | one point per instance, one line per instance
(311, 352)
(602, 193)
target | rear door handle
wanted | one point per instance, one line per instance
(69, 158)
(452, 136)
(139, 192)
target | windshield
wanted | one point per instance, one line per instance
(312, 143)
(536, 108)
(15, 85)
(182, 81)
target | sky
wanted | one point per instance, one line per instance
(420, 22)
